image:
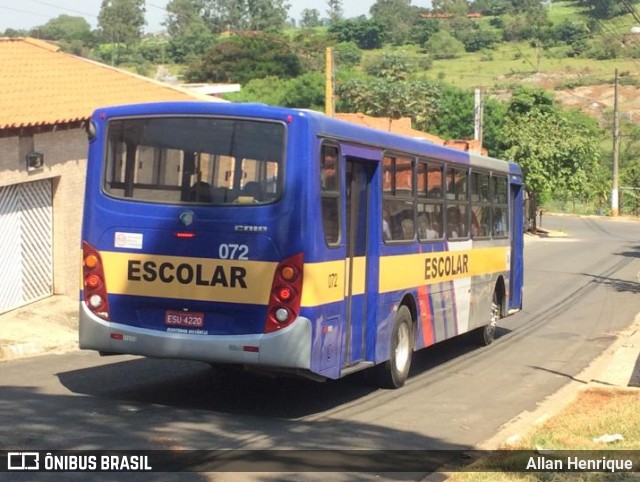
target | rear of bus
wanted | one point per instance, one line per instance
(189, 242)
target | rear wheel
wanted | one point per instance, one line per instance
(487, 334)
(394, 372)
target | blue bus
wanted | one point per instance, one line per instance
(284, 240)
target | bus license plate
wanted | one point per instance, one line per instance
(187, 319)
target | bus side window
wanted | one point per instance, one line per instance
(330, 193)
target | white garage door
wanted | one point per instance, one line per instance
(26, 244)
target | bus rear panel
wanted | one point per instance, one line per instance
(179, 247)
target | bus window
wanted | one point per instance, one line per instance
(457, 203)
(194, 160)
(500, 226)
(429, 221)
(398, 201)
(480, 205)
(456, 221)
(330, 193)
(429, 196)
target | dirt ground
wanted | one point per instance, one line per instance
(592, 99)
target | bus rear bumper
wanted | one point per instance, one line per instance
(287, 348)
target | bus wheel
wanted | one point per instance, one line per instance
(394, 372)
(487, 334)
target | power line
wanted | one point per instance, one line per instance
(25, 11)
(63, 8)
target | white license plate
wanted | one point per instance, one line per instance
(186, 319)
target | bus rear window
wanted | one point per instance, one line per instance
(203, 160)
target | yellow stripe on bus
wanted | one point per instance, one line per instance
(326, 282)
(407, 271)
(359, 275)
(241, 281)
(323, 283)
(177, 277)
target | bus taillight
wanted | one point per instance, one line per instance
(284, 301)
(95, 289)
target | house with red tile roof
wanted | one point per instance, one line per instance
(46, 98)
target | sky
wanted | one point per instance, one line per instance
(26, 14)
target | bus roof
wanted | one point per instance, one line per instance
(322, 124)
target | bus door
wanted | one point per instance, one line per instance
(517, 242)
(359, 174)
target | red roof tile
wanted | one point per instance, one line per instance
(40, 85)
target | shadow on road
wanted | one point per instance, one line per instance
(620, 285)
(194, 385)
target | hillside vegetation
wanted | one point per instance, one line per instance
(533, 60)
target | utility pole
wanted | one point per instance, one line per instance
(616, 151)
(328, 83)
(478, 112)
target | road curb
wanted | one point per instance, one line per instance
(19, 350)
(594, 375)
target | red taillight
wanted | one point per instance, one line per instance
(185, 235)
(285, 294)
(284, 301)
(92, 281)
(95, 289)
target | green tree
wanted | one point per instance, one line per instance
(121, 21)
(386, 97)
(556, 150)
(268, 90)
(310, 46)
(245, 57)
(422, 30)
(68, 28)
(10, 32)
(478, 37)
(490, 7)
(246, 15)
(397, 16)
(305, 92)
(190, 42)
(605, 9)
(347, 54)
(442, 45)
(391, 66)
(629, 162)
(181, 14)
(310, 18)
(367, 34)
(334, 11)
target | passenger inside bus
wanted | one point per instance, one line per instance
(386, 228)
(455, 226)
(253, 189)
(427, 228)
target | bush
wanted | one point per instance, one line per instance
(604, 50)
(391, 66)
(348, 54)
(443, 45)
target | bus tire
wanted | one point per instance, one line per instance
(487, 334)
(394, 372)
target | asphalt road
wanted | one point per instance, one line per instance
(579, 291)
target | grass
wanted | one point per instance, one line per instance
(515, 63)
(594, 412)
